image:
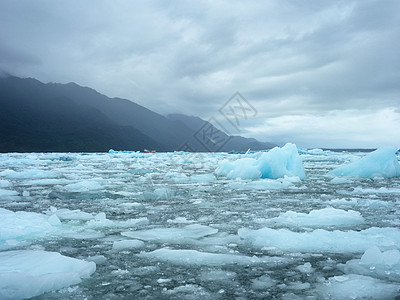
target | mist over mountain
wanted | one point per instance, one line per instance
(38, 117)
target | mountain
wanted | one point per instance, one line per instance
(232, 142)
(38, 117)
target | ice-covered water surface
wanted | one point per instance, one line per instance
(166, 225)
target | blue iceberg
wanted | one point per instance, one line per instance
(380, 163)
(274, 164)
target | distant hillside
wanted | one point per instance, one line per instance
(237, 143)
(37, 117)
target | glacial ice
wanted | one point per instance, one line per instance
(83, 186)
(172, 235)
(376, 263)
(149, 220)
(353, 286)
(279, 162)
(264, 184)
(27, 174)
(21, 226)
(127, 244)
(6, 193)
(276, 163)
(321, 240)
(380, 163)
(5, 183)
(30, 273)
(320, 218)
(194, 257)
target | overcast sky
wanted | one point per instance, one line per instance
(318, 73)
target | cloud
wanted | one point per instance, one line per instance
(288, 58)
(347, 129)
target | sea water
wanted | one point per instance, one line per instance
(171, 226)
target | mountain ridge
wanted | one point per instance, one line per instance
(46, 117)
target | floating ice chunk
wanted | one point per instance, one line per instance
(323, 217)
(27, 174)
(263, 282)
(244, 168)
(306, 268)
(97, 259)
(180, 220)
(100, 221)
(7, 193)
(5, 183)
(46, 181)
(374, 256)
(263, 184)
(66, 214)
(339, 180)
(202, 178)
(321, 240)
(383, 265)
(28, 273)
(194, 257)
(83, 186)
(316, 151)
(279, 162)
(23, 225)
(382, 190)
(188, 291)
(158, 194)
(217, 275)
(273, 164)
(173, 235)
(354, 286)
(127, 244)
(297, 285)
(179, 177)
(382, 162)
(54, 220)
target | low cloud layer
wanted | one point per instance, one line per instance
(320, 73)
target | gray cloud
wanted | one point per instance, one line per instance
(319, 59)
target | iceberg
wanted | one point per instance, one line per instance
(376, 263)
(274, 164)
(30, 273)
(380, 163)
(279, 162)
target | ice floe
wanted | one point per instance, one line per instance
(172, 235)
(376, 263)
(127, 244)
(322, 217)
(321, 240)
(194, 257)
(353, 286)
(30, 273)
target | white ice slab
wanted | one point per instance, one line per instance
(352, 286)
(29, 273)
(321, 240)
(194, 257)
(174, 235)
(322, 217)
